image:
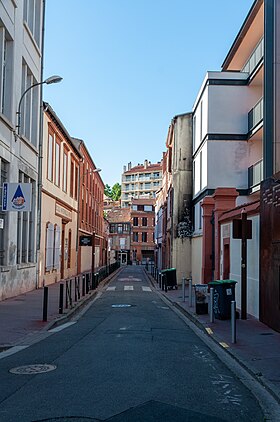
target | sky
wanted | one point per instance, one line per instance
(129, 67)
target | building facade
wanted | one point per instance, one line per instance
(142, 217)
(20, 68)
(119, 235)
(141, 181)
(59, 215)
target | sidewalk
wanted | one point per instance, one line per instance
(257, 346)
(21, 317)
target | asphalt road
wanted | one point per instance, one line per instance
(128, 358)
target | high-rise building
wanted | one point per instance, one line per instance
(140, 182)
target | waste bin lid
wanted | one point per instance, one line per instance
(219, 282)
(168, 269)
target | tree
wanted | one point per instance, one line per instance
(108, 191)
(116, 192)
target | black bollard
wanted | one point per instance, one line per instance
(61, 287)
(45, 304)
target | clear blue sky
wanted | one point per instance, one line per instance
(129, 66)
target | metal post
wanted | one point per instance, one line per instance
(190, 292)
(45, 304)
(211, 304)
(183, 287)
(159, 279)
(61, 288)
(233, 321)
(83, 285)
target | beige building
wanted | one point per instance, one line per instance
(59, 219)
(140, 182)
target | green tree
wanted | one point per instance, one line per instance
(116, 192)
(108, 191)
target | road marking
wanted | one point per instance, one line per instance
(146, 289)
(12, 351)
(224, 345)
(128, 288)
(111, 289)
(62, 327)
(209, 331)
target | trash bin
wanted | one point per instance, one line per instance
(170, 279)
(201, 299)
(224, 293)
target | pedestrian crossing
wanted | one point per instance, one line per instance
(128, 288)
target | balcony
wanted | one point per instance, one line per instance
(255, 58)
(255, 115)
(255, 176)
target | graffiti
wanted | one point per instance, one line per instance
(184, 227)
(216, 308)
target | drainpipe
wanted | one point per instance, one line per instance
(40, 150)
(212, 221)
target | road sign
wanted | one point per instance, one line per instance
(17, 197)
(86, 240)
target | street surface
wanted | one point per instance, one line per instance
(128, 358)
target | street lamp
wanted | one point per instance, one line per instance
(51, 80)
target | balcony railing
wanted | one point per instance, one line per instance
(255, 115)
(255, 175)
(255, 58)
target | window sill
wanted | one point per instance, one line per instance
(26, 265)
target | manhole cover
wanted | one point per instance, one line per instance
(39, 368)
(121, 305)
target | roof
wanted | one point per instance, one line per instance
(143, 201)
(141, 168)
(242, 32)
(53, 116)
(119, 215)
(251, 208)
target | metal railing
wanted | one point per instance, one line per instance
(255, 175)
(255, 115)
(255, 58)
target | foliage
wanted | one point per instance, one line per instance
(184, 228)
(108, 191)
(114, 193)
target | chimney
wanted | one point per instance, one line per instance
(129, 166)
(124, 169)
(145, 164)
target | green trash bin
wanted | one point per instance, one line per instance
(170, 278)
(224, 293)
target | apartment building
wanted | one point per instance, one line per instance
(59, 216)
(141, 181)
(142, 217)
(119, 235)
(21, 42)
(91, 206)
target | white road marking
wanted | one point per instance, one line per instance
(111, 289)
(128, 288)
(62, 327)
(12, 351)
(146, 289)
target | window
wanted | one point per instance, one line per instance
(57, 163)
(50, 157)
(3, 215)
(144, 221)
(65, 165)
(120, 228)
(135, 237)
(32, 16)
(135, 221)
(53, 236)
(148, 208)
(26, 227)
(72, 176)
(30, 107)
(69, 249)
(144, 237)
(134, 207)
(76, 181)
(6, 57)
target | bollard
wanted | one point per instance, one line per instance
(45, 304)
(83, 285)
(211, 304)
(233, 321)
(60, 309)
(190, 292)
(159, 279)
(183, 287)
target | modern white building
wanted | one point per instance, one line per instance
(21, 25)
(141, 181)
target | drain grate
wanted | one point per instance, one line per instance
(40, 368)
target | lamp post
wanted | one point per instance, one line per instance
(51, 80)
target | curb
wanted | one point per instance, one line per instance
(260, 379)
(79, 305)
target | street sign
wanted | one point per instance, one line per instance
(17, 197)
(86, 240)
(237, 229)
